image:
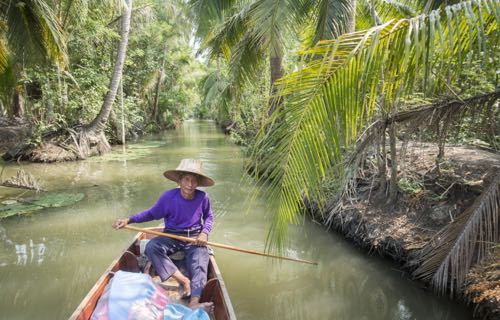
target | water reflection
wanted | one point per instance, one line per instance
(35, 254)
(26, 253)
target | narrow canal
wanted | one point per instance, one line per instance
(50, 259)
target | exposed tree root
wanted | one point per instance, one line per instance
(71, 145)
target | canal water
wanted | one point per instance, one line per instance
(51, 258)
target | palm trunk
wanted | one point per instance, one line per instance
(276, 66)
(154, 115)
(393, 187)
(18, 103)
(351, 25)
(98, 124)
(382, 162)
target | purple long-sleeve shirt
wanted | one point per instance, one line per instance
(179, 213)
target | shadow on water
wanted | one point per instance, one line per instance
(49, 260)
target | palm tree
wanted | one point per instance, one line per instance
(256, 32)
(29, 34)
(334, 101)
(93, 133)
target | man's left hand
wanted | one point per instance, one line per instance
(201, 240)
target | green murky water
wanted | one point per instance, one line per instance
(50, 259)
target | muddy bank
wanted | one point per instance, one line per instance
(427, 202)
(13, 132)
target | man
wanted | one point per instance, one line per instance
(186, 211)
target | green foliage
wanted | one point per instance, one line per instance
(410, 186)
(173, 107)
(330, 100)
(72, 96)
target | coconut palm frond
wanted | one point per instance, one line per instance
(375, 12)
(329, 101)
(3, 55)
(225, 102)
(74, 12)
(218, 94)
(208, 14)
(402, 8)
(228, 35)
(330, 19)
(270, 21)
(447, 258)
(34, 31)
(247, 57)
(3, 40)
(424, 114)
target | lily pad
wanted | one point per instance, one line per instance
(22, 206)
(56, 200)
(17, 208)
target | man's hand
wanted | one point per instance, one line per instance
(201, 240)
(120, 223)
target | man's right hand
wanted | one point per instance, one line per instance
(120, 223)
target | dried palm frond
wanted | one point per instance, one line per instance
(424, 113)
(446, 260)
(22, 180)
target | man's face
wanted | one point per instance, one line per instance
(188, 184)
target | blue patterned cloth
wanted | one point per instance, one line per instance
(176, 311)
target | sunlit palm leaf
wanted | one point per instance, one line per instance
(330, 18)
(3, 55)
(207, 15)
(247, 57)
(374, 12)
(446, 260)
(249, 36)
(335, 94)
(218, 94)
(228, 35)
(3, 42)
(269, 20)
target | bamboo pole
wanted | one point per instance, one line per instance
(217, 245)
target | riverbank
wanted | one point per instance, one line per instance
(428, 201)
(13, 132)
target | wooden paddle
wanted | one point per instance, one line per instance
(218, 245)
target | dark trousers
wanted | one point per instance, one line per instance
(158, 250)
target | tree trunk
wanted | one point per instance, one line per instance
(393, 187)
(2, 108)
(382, 162)
(123, 113)
(91, 139)
(442, 133)
(276, 66)
(154, 115)
(98, 124)
(18, 103)
(351, 25)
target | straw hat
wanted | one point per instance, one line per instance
(190, 166)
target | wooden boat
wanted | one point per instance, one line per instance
(214, 291)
